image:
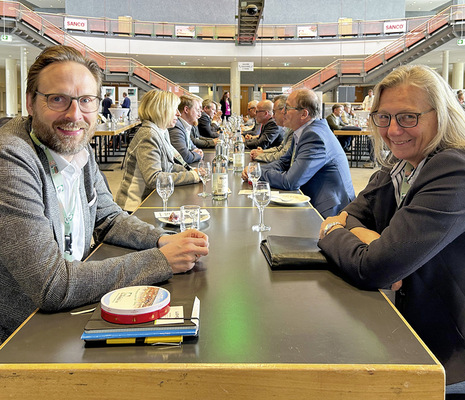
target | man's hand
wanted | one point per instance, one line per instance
(256, 152)
(183, 249)
(198, 151)
(245, 174)
(341, 218)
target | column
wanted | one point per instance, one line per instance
(445, 65)
(11, 86)
(457, 75)
(235, 91)
(23, 80)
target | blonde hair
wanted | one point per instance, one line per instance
(158, 107)
(450, 115)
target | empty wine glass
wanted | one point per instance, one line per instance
(261, 197)
(165, 187)
(205, 174)
(254, 172)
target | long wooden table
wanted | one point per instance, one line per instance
(104, 132)
(302, 334)
(359, 145)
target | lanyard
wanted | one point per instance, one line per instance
(68, 210)
(405, 184)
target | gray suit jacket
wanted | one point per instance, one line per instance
(149, 153)
(181, 141)
(33, 272)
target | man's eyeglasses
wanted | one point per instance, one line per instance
(278, 109)
(61, 102)
(287, 107)
(259, 111)
(405, 119)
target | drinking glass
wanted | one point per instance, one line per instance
(254, 172)
(205, 174)
(165, 187)
(261, 197)
(190, 217)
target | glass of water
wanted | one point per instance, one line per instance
(261, 198)
(254, 172)
(165, 187)
(205, 174)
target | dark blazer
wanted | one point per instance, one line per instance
(320, 169)
(205, 126)
(181, 141)
(422, 243)
(271, 135)
(200, 141)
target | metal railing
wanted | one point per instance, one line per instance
(408, 41)
(109, 65)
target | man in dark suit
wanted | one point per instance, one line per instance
(180, 134)
(269, 134)
(315, 162)
(206, 128)
(336, 124)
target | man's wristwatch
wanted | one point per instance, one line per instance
(329, 226)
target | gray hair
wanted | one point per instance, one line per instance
(450, 115)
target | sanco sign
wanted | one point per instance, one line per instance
(76, 24)
(395, 26)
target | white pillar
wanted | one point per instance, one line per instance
(445, 65)
(457, 76)
(23, 80)
(11, 86)
(235, 92)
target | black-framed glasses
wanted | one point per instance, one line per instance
(259, 111)
(61, 102)
(288, 107)
(405, 119)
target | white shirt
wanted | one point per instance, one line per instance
(71, 171)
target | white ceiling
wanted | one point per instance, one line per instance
(433, 59)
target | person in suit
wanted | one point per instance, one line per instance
(150, 151)
(315, 162)
(270, 134)
(200, 141)
(250, 123)
(46, 232)
(180, 134)
(276, 152)
(335, 123)
(106, 104)
(406, 230)
(205, 126)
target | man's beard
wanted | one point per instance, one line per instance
(64, 145)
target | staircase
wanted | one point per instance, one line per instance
(428, 36)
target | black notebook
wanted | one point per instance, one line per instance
(290, 252)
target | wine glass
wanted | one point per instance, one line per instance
(261, 197)
(165, 187)
(254, 172)
(205, 174)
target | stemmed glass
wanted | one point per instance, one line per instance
(254, 172)
(205, 174)
(261, 197)
(165, 187)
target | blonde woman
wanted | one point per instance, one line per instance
(150, 151)
(406, 229)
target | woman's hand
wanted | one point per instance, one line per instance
(338, 220)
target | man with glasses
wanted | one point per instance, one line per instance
(275, 153)
(250, 122)
(270, 134)
(54, 201)
(315, 163)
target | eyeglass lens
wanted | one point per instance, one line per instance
(61, 102)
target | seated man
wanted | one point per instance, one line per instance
(54, 200)
(315, 162)
(347, 114)
(250, 125)
(206, 128)
(275, 153)
(180, 134)
(200, 141)
(336, 124)
(270, 134)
